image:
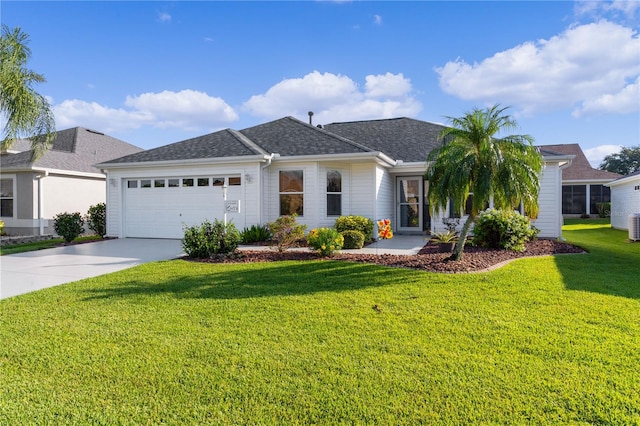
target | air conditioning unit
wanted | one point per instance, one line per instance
(634, 227)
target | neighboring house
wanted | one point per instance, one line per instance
(583, 187)
(369, 168)
(625, 199)
(64, 179)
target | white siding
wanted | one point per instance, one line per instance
(363, 190)
(549, 220)
(385, 196)
(625, 200)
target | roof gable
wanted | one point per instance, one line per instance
(289, 136)
(76, 149)
(224, 143)
(580, 168)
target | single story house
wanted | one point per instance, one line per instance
(583, 187)
(64, 179)
(625, 199)
(370, 168)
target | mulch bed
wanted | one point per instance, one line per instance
(474, 259)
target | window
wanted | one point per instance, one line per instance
(235, 181)
(291, 192)
(159, 183)
(598, 194)
(6, 197)
(187, 182)
(174, 183)
(217, 181)
(574, 199)
(132, 184)
(203, 181)
(334, 193)
(146, 183)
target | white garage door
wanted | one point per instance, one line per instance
(162, 207)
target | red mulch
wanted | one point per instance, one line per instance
(474, 259)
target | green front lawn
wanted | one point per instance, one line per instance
(544, 340)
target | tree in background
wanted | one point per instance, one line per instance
(625, 162)
(27, 113)
(473, 160)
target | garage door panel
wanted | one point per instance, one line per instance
(163, 212)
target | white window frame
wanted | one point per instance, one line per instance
(281, 193)
(327, 192)
(14, 195)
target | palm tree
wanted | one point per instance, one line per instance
(26, 112)
(474, 160)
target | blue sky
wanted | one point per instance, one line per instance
(153, 73)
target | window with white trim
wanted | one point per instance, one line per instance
(291, 189)
(334, 193)
(6, 197)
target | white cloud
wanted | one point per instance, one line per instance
(598, 9)
(185, 110)
(625, 101)
(377, 19)
(336, 98)
(574, 69)
(596, 154)
(164, 17)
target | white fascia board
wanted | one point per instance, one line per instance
(54, 172)
(192, 162)
(623, 180)
(586, 181)
(563, 161)
(412, 167)
(378, 156)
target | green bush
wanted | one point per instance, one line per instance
(210, 239)
(604, 210)
(97, 219)
(255, 234)
(503, 229)
(355, 223)
(325, 241)
(68, 225)
(352, 239)
(285, 232)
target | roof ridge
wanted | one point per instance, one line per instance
(247, 142)
(333, 135)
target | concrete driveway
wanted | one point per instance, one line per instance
(26, 272)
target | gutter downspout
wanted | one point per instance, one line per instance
(41, 201)
(264, 184)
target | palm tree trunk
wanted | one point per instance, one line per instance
(457, 253)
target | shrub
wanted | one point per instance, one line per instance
(97, 219)
(68, 225)
(444, 237)
(255, 234)
(285, 231)
(325, 241)
(353, 239)
(604, 210)
(355, 223)
(210, 239)
(1, 227)
(503, 229)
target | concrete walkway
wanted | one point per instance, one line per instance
(25, 272)
(399, 244)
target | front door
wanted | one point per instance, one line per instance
(409, 193)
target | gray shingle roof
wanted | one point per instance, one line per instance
(76, 149)
(224, 143)
(403, 139)
(289, 136)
